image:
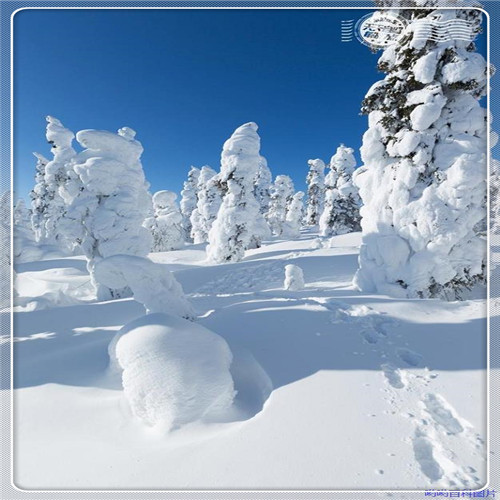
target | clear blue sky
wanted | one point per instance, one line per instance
(185, 79)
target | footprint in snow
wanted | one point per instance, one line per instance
(393, 376)
(409, 357)
(442, 413)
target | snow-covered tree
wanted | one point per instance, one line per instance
(294, 216)
(315, 191)
(151, 284)
(495, 196)
(165, 225)
(424, 184)
(109, 211)
(189, 199)
(239, 216)
(294, 278)
(281, 196)
(210, 193)
(341, 210)
(39, 198)
(263, 183)
(58, 179)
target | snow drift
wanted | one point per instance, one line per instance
(174, 371)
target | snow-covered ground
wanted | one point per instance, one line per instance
(336, 389)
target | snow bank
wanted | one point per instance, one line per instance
(174, 371)
(152, 284)
(294, 278)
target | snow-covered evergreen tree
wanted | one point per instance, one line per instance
(109, 211)
(58, 177)
(281, 196)
(341, 210)
(39, 199)
(315, 191)
(239, 215)
(165, 225)
(294, 216)
(189, 199)
(263, 183)
(210, 193)
(424, 184)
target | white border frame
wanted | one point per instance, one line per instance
(488, 255)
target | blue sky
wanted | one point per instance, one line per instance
(185, 79)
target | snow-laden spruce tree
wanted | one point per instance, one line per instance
(424, 184)
(315, 191)
(108, 213)
(294, 216)
(341, 210)
(239, 217)
(209, 201)
(40, 200)
(263, 183)
(58, 179)
(165, 225)
(282, 192)
(189, 199)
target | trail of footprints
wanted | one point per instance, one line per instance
(439, 424)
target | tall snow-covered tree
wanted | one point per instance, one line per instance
(239, 215)
(281, 196)
(109, 211)
(294, 216)
(341, 210)
(58, 174)
(424, 184)
(263, 183)
(209, 201)
(315, 191)
(39, 198)
(189, 199)
(165, 225)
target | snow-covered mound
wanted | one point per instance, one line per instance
(174, 371)
(152, 284)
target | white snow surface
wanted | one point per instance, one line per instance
(333, 385)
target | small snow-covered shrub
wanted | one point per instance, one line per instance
(153, 285)
(294, 278)
(173, 371)
(165, 225)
